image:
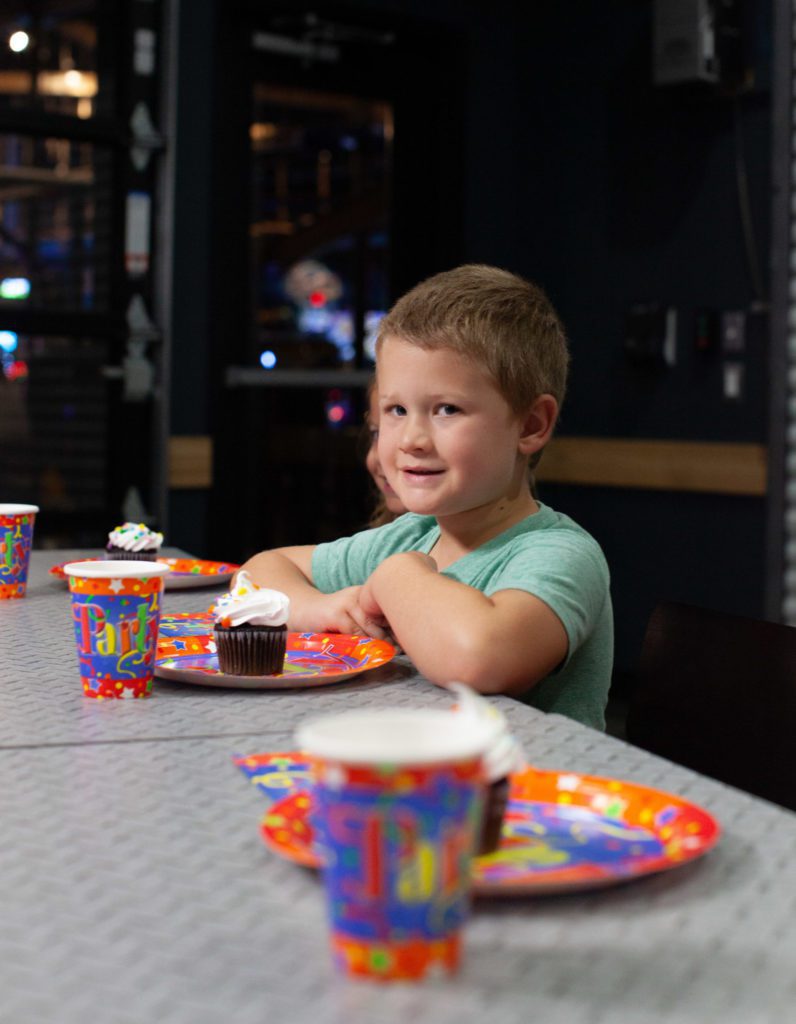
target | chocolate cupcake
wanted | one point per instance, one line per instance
(133, 542)
(503, 757)
(251, 629)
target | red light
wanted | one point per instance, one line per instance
(335, 413)
(17, 369)
(317, 299)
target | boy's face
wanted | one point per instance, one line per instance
(448, 440)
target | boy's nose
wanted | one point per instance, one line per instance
(414, 433)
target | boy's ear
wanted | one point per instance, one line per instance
(538, 424)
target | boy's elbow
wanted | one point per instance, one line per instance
(475, 665)
(492, 682)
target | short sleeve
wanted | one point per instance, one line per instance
(349, 561)
(567, 570)
(341, 563)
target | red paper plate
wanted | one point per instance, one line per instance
(562, 832)
(187, 654)
(184, 573)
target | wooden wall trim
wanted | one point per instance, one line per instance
(711, 467)
(704, 466)
(190, 462)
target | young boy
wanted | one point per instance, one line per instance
(478, 582)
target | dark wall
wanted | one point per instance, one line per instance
(580, 173)
(632, 198)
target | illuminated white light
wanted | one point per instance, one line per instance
(18, 41)
(14, 288)
(268, 359)
(8, 341)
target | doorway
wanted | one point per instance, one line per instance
(353, 173)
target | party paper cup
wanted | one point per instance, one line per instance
(398, 797)
(116, 613)
(16, 536)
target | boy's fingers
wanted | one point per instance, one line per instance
(368, 625)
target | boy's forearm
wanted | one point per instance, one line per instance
(280, 568)
(454, 633)
(290, 570)
(284, 569)
(440, 623)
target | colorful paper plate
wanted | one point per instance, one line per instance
(184, 573)
(562, 832)
(187, 654)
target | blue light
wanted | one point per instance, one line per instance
(268, 359)
(8, 341)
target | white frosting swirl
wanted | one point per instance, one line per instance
(504, 754)
(247, 602)
(134, 537)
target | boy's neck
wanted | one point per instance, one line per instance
(466, 531)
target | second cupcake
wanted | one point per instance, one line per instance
(133, 542)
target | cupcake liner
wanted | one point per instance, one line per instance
(121, 555)
(251, 650)
(497, 796)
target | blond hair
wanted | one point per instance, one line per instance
(498, 319)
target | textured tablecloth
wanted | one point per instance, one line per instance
(134, 886)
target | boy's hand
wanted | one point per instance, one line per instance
(340, 612)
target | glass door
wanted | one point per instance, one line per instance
(319, 233)
(80, 351)
(351, 157)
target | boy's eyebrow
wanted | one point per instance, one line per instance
(438, 396)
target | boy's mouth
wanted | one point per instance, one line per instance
(418, 471)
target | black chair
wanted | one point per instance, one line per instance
(717, 693)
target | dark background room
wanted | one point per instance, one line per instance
(198, 237)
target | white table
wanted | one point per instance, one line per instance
(134, 886)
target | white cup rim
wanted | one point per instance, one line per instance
(114, 569)
(18, 510)
(400, 736)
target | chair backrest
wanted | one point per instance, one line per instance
(717, 693)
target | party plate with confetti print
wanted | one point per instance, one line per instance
(562, 831)
(184, 573)
(187, 654)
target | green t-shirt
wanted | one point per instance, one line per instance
(547, 555)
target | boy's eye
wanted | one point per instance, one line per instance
(447, 409)
(396, 410)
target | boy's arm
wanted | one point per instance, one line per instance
(290, 570)
(505, 643)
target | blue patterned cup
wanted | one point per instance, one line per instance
(16, 537)
(116, 614)
(398, 797)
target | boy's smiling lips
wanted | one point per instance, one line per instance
(418, 472)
